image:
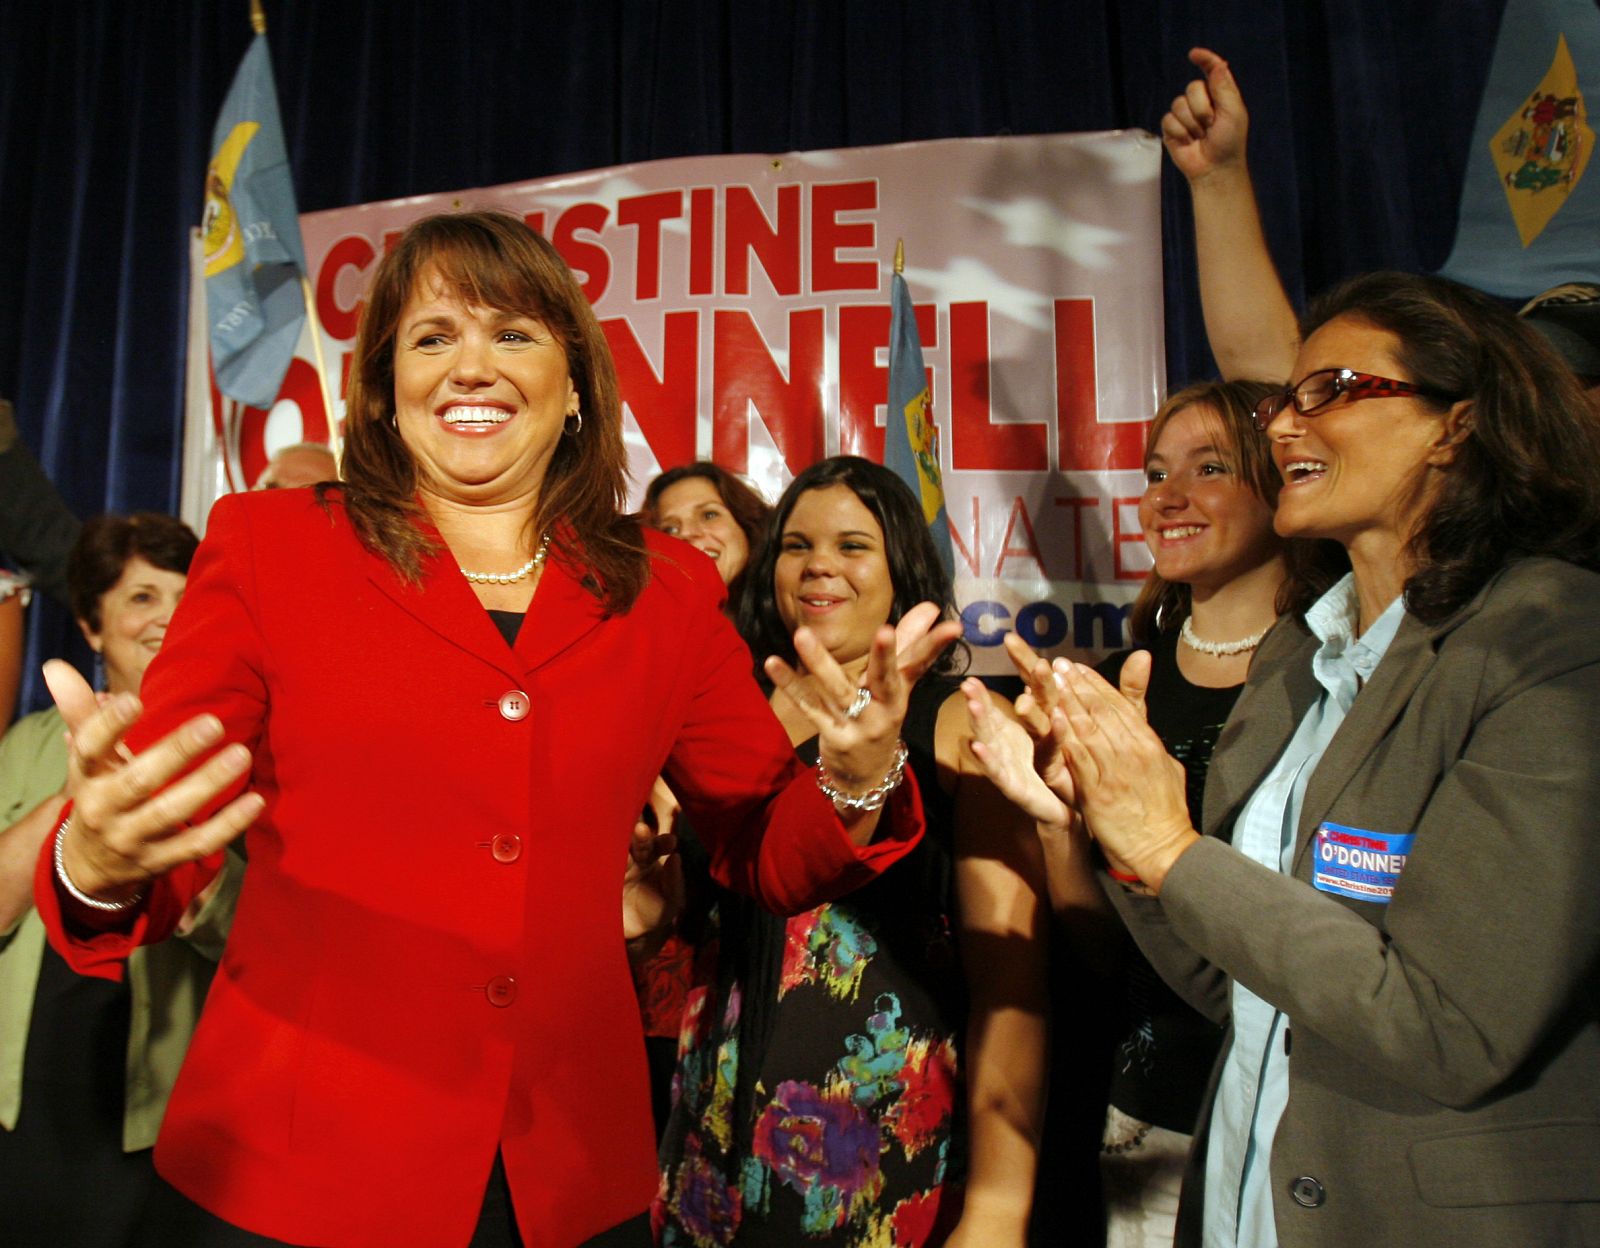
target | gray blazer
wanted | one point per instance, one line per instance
(1444, 1072)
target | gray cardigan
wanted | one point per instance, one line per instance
(1444, 1076)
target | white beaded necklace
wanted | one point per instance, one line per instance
(511, 578)
(1219, 649)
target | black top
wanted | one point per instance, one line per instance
(1188, 718)
(1167, 1051)
(509, 623)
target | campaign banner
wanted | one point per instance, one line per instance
(747, 302)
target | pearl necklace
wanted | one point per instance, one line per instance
(1219, 649)
(511, 578)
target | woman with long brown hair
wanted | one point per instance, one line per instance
(438, 694)
(716, 512)
(722, 517)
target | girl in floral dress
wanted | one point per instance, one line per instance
(869, 1073)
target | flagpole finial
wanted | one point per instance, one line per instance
(258, 19)
(900, 257)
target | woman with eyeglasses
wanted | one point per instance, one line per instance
(1391, 896)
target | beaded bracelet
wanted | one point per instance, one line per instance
(94, 903)
(873, 798)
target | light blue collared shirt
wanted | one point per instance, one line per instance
(1255, 1080)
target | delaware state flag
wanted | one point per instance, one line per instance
(910, 441)
(254, 257)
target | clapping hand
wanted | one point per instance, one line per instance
(1084, 751)
(859, 725)
(129, 811)
(1023, 758)
(1131, 792)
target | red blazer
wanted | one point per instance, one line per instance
(427, 960)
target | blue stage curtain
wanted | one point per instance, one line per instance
(1361, 112)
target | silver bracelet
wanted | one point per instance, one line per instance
(873, 798)
(77, 894)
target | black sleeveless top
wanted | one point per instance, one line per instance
(1167, 1050)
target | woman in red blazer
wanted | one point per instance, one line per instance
(440, 694)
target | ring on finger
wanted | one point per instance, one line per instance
(859, 703)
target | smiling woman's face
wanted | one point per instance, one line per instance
(1354, 471)
(692, 509)
(832, 572)
(134, 614)
(480, 395)
(1203, 524)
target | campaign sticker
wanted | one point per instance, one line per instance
(1354, 862)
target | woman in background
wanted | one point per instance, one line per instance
(86, 1065)
(725, 519)
(715, 512)
(1221, 577)
(857, 1064)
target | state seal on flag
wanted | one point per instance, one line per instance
(219, 228)
(219, 225)
(1543, 147)
(924, 437)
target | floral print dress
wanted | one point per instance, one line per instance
(818, 1091)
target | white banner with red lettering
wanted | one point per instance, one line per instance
(746, 299)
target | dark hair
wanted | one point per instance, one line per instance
(1310, 566)
(493, 260)
(748, 509)
(1568, 318)
(106, 545)
(1525, 476)
(915, 570)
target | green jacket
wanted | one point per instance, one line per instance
(168, 981)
